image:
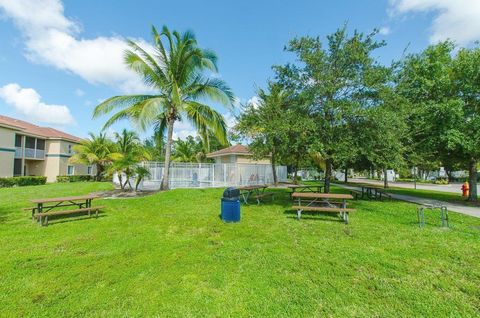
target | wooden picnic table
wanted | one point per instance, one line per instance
(373, 192)
(48, 206)
(322, 202)
(257, 191)
(304, 188)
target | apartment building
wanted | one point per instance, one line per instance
(30, 150)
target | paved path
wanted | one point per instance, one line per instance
(472, 211)
(450, 188)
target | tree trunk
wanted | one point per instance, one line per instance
(274, 168)
(385, 179)
(168, 150)
(472, 180)
(99, 172)
(346, 175)
(120, 179)
(449, 175)
(295, 171)
(328, 174)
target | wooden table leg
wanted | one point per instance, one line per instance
(40, 209)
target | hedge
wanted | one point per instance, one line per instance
(75, 178)
(22, 181)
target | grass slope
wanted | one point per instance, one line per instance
(169, 255)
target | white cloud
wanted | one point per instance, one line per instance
(458, 20)
(79, 92)
(254, 101)
(230, 120)
(183, 129)
(53, 39)
(384, 31)
(27, 102)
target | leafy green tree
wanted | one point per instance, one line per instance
(442, 88)
(337, 82)
(466, 82)
(382, 135)
(177, 72)
(275, 127)
(96, 150)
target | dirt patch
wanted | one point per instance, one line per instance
(122, 194)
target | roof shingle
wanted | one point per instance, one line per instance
(232, 150)
(28, 128)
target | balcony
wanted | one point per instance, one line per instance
(30, 153)
(18, 152)
(34, 153)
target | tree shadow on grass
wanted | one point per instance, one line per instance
(315, 216)
(59, 219)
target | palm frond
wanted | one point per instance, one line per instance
(118, 102)
(204, 118)
(214, 89)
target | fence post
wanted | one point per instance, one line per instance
(212, 174)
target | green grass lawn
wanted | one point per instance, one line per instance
(169, 255)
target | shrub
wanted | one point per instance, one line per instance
(76, 178)
(22, 181)
(441, 181)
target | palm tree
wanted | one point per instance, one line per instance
(185, 150)
(132, 152)
(96, 150)
(177, 71)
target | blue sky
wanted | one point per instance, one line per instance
(58, 59)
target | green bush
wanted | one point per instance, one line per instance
(77, 178)
(441, 181)
(22, 181)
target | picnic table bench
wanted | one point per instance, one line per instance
(48, 207)
(323, 202)
(255, 191)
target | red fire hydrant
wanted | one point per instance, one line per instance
(465, 189)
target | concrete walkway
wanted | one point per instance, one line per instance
(449, 188)
(472, 211)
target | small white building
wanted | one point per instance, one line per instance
(236, 154)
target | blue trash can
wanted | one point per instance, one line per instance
(230, 210)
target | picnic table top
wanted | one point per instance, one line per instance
(313, 195)
(72, 198)
(375, 187)
(253, 187)
(304, 186)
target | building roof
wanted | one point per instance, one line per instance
(232, 150)
(34, 130)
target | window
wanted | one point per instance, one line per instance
(18, 140)
(30, 142)
(89, 170)
(41, 144)
(69, 148)
(70, 170)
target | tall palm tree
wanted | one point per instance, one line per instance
(96, 150)
(177, 70)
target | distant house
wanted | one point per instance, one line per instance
(236, 154)
(30, 150)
